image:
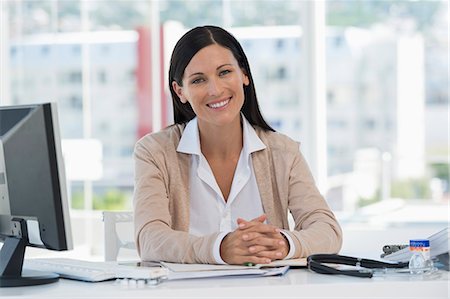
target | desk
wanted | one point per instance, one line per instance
(297, 283)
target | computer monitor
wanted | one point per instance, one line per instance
(33, 197)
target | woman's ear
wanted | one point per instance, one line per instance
(246, 80)
(179, 91)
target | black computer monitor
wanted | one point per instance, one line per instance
(33, 197)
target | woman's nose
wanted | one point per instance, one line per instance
(214, 87)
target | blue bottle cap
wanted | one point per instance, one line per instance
(419, 243)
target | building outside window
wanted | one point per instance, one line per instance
(386, 74)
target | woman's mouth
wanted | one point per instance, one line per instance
(218, 105)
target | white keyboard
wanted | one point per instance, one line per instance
(93, 271)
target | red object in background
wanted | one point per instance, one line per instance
(162, 76)
(144, 82)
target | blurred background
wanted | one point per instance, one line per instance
(363, 85)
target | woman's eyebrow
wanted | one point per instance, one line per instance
(219, 67)
(225, 64)
(195, 74)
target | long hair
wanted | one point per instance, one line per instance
(192, 42)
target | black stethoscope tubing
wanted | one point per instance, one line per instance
(316, 264)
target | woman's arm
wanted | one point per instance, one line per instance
(156, 240)
(316, 228)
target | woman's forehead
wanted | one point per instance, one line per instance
(211, 56)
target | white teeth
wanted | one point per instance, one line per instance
(218, 105)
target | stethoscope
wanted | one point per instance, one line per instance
(364, 267)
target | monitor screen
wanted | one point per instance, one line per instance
(33, 198)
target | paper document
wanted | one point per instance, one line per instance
(292, 263)
(207, 267)
(175, 267)
(187, 271)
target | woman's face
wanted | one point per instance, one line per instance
(213, 84)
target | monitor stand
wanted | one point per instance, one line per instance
(11, 262)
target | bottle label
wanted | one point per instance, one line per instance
(420, 246)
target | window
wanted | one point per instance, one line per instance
(391, 77)
(74, 77)
(76, 50)
(280, 45)
(386, 71)
(75, 102)
(45, 50)
(102, 77)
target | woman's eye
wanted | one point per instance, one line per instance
(197, 81)
(224, 72)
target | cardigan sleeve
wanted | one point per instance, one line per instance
(156, 240)
(316, 228)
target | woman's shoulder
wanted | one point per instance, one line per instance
(277, 141)
(164, 139)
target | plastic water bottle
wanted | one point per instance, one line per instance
(420, 260)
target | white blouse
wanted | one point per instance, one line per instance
(209, 213)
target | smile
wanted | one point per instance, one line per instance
(219, 104)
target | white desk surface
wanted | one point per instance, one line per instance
(297, 283)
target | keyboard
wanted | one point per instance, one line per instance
(94, 271)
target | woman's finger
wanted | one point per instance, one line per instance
(242, 223)
(265, 241)
(260, 228)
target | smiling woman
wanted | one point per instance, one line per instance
(217, 186)
(212, 85)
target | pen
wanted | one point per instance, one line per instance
(249, 264)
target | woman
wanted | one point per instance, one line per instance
(216, 186)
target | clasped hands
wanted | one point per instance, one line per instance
(254, 242)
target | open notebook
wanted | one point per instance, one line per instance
(187, 271)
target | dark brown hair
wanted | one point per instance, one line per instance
(188, 45)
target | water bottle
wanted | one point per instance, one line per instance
(420, 260)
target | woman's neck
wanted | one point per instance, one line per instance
(221, 142)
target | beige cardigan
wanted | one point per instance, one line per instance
(161, 199)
